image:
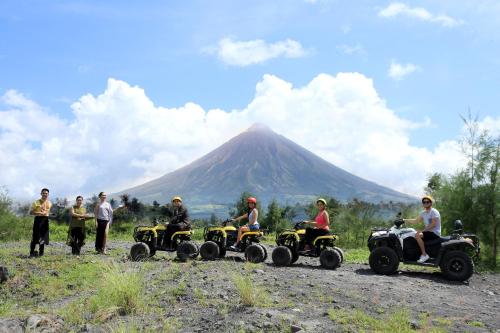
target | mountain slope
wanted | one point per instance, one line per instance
(266, 164)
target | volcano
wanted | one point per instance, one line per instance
(267, 165)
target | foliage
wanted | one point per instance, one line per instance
(276, 217)
(473, 193)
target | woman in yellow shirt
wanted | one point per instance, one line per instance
(77, 232)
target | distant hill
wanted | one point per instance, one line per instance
(264, 163)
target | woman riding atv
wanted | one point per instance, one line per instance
(253, 223)
(320, 223)
(179, 220)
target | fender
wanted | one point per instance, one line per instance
(451, 245)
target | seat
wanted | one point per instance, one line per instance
(437, 241)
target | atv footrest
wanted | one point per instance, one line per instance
(431, 263)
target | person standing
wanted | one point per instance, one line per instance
(103, 213)
(40, 209)
(77, 232)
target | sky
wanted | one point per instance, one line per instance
(103, 95)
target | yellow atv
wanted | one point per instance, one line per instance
(152, 238)
(291, 245)
(219, 239)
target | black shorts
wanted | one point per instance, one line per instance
(429, 235)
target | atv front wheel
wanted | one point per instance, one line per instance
(330, 258)
(282, 256)
(384, 260)
(457, 266)
(187, 250)
(255, 253)
(139, 251)
(209, 250)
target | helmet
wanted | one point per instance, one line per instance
(252, 200)
(321, 200)
(428, 197)
(176, 198)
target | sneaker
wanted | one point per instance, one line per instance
(234, 247)
(423, 258)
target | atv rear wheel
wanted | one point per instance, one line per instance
(384, 260)
(265, 252)
(457, 266)
(255, 253)
(187, 250)
(282, 256)
(341, 252)
(209, 250)
(330, 258)
(139, 251)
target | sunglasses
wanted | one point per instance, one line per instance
(426, 202)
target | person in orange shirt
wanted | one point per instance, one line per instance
(40, 209)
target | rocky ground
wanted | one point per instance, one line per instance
(60, 293)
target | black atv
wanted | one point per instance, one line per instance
(454, 254)
(291, 245)
(152, 238)
(220, 239)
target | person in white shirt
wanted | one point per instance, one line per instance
(432, 222)
(103, 213)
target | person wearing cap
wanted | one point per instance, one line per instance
(40, 209)
(179, 220)
(253, 223)
(432, 226)
(320, 224)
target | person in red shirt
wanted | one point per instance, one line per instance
(320, 224)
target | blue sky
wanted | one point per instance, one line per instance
(54, 52)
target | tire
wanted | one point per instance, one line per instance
(255, 253)
(187, 250)
(265, 252)
(457, 266)
(384, 260)
(222, 252)
(330, 258)
(295, 257)
(282, 256)
(209, 250)
(341, 252)
(139, 251)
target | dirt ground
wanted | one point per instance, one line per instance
(200, 296)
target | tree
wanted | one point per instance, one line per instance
(473, 193)
(156, 205)
(125, 199)
(275, 217)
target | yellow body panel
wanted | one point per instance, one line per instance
(301, 231)
(333, 237)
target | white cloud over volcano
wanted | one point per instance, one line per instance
(120, 138)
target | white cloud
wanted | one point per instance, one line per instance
(120, 138)
(401, 9)
(245, 53)
(351, 49)
(398, 71)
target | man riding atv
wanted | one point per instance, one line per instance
(179, 220)
(432, 230)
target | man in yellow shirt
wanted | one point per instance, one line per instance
(40, 209)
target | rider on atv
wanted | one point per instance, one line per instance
(432, 230)
(179, 219)
(320, 225)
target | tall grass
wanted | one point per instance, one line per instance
(249, 293)
(120, 292)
